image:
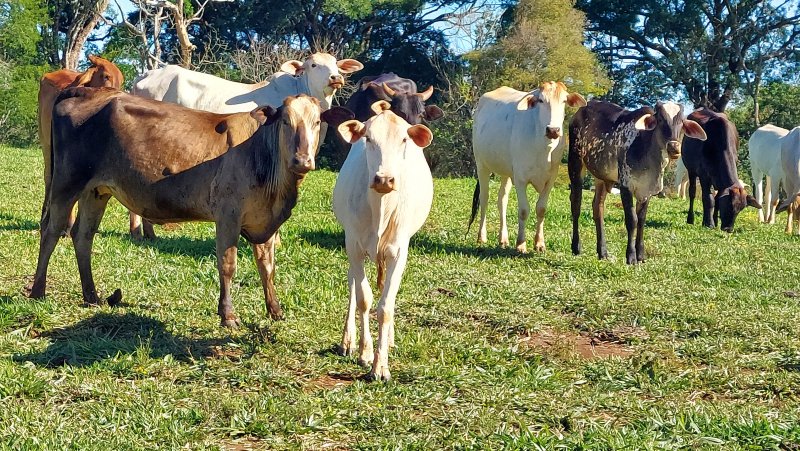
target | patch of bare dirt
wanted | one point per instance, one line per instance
(331, 381)
(589, 347)
(243, 444)
(223, 352)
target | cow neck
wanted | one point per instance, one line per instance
(301, 86)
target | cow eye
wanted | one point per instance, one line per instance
(313, 65)
(405, 140)
(367, 139)
(317, 123)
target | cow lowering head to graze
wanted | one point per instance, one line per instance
(173, 164)
(101, 73)
(790, 169)
(631, 148)
(382, 197)
(764, 153)
(714, 162)
(518, 136)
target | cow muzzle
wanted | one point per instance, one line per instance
(383, 183)
(673, 150)
(337, 82)
(552, 132)
(302, 164)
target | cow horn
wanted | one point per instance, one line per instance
(380, 106)
(389, 91)
(426, 94)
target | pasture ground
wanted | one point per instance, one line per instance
(698, 347)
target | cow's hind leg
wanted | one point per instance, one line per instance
(227, 240)
(502, 208)
(758, 181)
(601, 188)
(766, 206)
(575, 169)
(483, 197)
(692, 192)
(54, 222)
(641, 213)
(264, 255)
(91, 206)
(709, 207)
(541, 209)
(631, 220)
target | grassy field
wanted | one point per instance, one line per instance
(698, 347)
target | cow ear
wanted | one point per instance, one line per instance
(380, 106)
(426, 94)
(526, 103)
(352, 130)
(646, 122)
(421, 135)
(575, 100)
(751, 201)
(377, 91)
(433, 112)
(85, 77)
(336, 115)
(94, 60)
(693, 130)
(265, 115)
(292, 67)
(347, 66)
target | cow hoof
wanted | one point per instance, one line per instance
(522, 248)
(277, 314)
(115, 298)
(345, 350)
(365, 362)
(576, 249)
(136, 235)
(380, 374)
(231, 323)
(33, 291)
(540, 247)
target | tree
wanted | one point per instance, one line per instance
(707, 47)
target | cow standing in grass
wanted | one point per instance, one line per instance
(764, 152)
(382, 197)
(790, 164)
(714, 163)
(517, 136)
(631, 148)
(173, 164)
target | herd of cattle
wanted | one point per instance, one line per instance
(188, 146)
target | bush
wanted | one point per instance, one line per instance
(19, 105)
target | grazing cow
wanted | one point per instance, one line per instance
(790, 163)
(764, 149)
(173, 164)
(631, 148)
(714, 162)
(681, 179)
(517, 136)
(102, 73)
(320, 75)
(382, 197)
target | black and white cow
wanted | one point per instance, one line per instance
(626, 147)
(714, 162)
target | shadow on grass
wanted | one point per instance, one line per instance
(108, 335)
(8, 222)
(176, 245)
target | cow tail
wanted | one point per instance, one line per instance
(48, 186)
(475, 199)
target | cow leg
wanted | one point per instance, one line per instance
(796, 216)
(767, 198)
(147, 228)
(524, 211)
(692, 192)
(575, 170)
(55, 219)
(92, 207)
(396, 257)
(630, 223)
(758, 188)
(483, 182)
(708, 202)
(598, 214)
(541, 209)
(227, 239)
(361, 298)
(641, 213)
(502, 208)
(264, 255)
(135, 225)
(774, 194)
(789, 218)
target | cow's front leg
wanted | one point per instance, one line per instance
(692, 192)
(524, 211)
(575, 170)
(502, 208)
(708, 203)
(796, 217)
(395, 256)
(601, 188)
(264, 255)
(641, 213)
(631, 220)
(227, 240)
(541, 209)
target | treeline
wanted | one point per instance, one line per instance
(739, 56)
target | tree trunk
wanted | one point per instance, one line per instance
(80, 30)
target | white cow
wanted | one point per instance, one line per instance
(518, 136)
(764, 148)
(681, 179)
(382, 197)
(790, 162)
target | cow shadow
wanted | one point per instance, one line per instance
(109, 335)
(176, 245)
(8, 222)
(325, 239)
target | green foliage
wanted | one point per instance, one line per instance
(19, 35)
(19, 105)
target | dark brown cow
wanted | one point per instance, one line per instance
(714, 162)
(102, 73)
(173, 164)
(626, 147)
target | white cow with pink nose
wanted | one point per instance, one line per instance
(382, 197)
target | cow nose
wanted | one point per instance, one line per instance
(674, 150)
(303, 163)
(553, 132)
(382, 183)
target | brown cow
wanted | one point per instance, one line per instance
(172, 164)
(102, 73)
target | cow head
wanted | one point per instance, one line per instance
(669, 128)
(387, 140)
(322, 73)
(548, 102)
(295, 130)
(101, 74)
(410, 106)
(730, 202)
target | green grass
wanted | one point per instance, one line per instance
(704, 337)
